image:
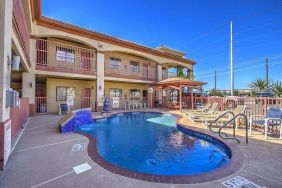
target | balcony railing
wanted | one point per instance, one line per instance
(21, 27)
(51, 105)
(60, 57)
(131, 72)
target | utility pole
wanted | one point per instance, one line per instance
(215, 80)
(266, 69)
(231, 61)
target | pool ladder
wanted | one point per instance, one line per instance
(231, 120)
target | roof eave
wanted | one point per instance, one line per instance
(59, 25)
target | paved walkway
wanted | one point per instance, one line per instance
(44, 158)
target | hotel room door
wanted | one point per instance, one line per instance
(145, 70)
(85, 101)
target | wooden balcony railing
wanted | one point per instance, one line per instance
(61, 57)
(21, 27)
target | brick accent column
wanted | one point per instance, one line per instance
(160, 70)
(100, 80)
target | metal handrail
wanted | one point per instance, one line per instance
(219, 117)
(234, 136)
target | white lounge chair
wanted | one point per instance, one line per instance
(273, 119)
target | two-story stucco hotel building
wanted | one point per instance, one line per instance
(58, 59)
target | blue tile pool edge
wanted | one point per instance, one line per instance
(235, 164)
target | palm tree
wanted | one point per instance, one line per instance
(215, 92)
(277, 88)
(180, 74)
(259, 85)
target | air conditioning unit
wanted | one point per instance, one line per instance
(16, 63)
(12, 98)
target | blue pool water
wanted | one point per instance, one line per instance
(150, 143)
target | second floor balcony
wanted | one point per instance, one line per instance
(64, 57)
(130, 68)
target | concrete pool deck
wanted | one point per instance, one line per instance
(44, 158)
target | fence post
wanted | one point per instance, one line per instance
(265, 105)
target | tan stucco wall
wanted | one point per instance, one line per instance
(5, 53)
(102, 46)
(52, 83)
(124, 86)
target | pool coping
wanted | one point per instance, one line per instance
(236, 161)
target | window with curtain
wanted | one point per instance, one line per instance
(115, 93)
(65, 55)
(63, 92)
(115, 63)
(134, 93)
(134, 66)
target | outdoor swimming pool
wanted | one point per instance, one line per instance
(151, 143)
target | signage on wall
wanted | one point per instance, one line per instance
(70, 100)
(7, 141)
(150, 90)
(100, 100)
(115, 102)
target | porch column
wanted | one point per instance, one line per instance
(192, 98)
(160, 70)
(28, 89)
(28, 79)
(6, 7)
(100, 79)
(180, 98)
(202, 101)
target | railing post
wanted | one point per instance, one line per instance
(265, 105)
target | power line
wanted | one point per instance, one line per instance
(244, 63)
(243, 69)
(252, 37)
(260, 44)
(257, 27)
(239, 65)
(241, 18)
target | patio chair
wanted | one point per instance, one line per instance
(173, 105)
(209, 118)
(201, 109)
(127, 105)
(63, 107)
(210, 112)
(273, 119)
(144, 105)
(134, 105)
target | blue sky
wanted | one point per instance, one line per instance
(198, 27)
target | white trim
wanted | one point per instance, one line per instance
(127, 80)
(63, 74)
(46, 145)
(50, 180)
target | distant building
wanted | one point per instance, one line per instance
(239, 92)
